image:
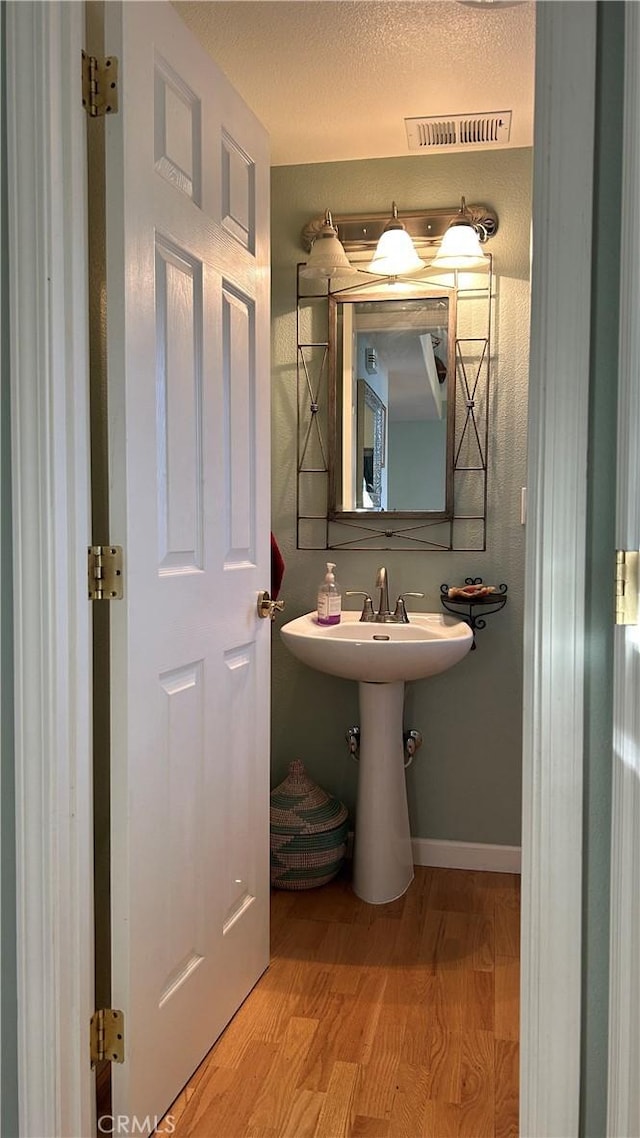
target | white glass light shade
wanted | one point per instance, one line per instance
(460, 249)
(327, 257)
(395, 254)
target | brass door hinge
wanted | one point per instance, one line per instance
(105, 573)
(627, 586)
(99, 85)
(107, 1036)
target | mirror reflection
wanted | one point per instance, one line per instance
(393, 375)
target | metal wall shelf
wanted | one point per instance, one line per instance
(474, 610)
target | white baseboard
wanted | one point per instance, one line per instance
(459, 855)
(466, 855)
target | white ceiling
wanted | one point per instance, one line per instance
(334, 79)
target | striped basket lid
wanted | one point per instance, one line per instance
(300, 806)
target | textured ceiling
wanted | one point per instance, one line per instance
(334, 79)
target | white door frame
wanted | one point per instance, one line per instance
(49, 395)
(53, 753)
(552, 840)
(624, 982)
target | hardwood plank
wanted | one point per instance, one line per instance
(274, 1100)
(419, 1016)
(479, 1000)
(171, 1120)
(337, 1109)
(429, 1043)
(443, 952)
(477, 1086)
(204, 1099)
(297, 937)
(457, 890)
(507, 1081)
(303, 1117)
(451, 951)
(481, 944)
(261, 1017)
(228, 1096)
(341, 948)
(378, 1083)
(281, 903)
(360, 1018)
(431, 939)
(507, 998)
(314, 998)
(409, 1104)
(443, 1060)
(318, 1065)
(507, 930)
(408, 935)
(346, 1032)
(379, 949)
(392, 910)
(441, 1120)
(367, 1127)
(335, 902)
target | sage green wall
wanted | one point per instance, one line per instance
(600, 543)
(465, 783)
(8, 1008)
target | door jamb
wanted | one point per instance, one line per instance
(553, 734)
(624, 952)
(52, 660)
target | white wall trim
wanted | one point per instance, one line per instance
(49, 374)
(465, 855)
(623, 1116)
(555, 571)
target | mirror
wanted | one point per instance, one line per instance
(391, 401)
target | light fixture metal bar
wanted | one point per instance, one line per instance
(361, 232)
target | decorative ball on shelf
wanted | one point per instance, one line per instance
(309, 830)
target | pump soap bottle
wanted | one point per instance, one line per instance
(329, 598)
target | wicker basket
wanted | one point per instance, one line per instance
(308, 832)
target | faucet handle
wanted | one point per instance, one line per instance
(367, 605)
(401, 612)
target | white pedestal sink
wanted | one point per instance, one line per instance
(381, 657)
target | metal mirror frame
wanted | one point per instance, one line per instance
(466, 529)
(377, 292)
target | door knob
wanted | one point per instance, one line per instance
(267, 607)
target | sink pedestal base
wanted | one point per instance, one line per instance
(383, 859)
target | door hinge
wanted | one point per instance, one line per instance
(105, 573)
(627, 586)
(99, 85)
(107, 1036)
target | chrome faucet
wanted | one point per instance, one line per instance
(383, 615)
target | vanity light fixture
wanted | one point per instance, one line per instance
(424, 229)
(460, 247)
(395, 254)
(327, 257)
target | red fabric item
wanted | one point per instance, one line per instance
(277, 569)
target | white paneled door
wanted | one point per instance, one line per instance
(188, 359)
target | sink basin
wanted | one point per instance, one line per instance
(379, 653)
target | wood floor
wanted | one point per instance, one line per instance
(374, 1021)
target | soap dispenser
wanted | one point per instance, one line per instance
(329, 598)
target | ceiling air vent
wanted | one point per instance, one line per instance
(440, 133)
